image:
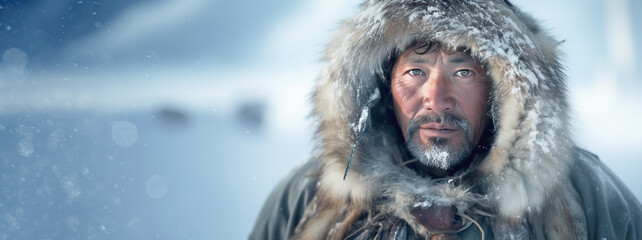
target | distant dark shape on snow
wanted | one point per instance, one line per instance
(251, 114)
(172, 116)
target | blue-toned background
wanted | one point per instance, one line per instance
(173, 119)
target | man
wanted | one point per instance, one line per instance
(446, 120)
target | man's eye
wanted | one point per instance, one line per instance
(415, 72)
(464, 73)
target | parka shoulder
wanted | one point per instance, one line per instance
(612, 211)
(286, 204)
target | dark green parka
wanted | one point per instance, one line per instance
(610, 209)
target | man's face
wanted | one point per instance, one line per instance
(440, 101)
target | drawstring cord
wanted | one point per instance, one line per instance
(408, 162)
(372, 222)
(473, 221)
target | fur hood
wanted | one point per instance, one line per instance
(521, 182)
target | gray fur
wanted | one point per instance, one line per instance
(528, 161)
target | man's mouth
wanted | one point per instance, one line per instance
(445, 126)
(437, 129)
(438, 126)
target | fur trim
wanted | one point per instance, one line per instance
(529, 157)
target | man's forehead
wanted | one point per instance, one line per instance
(421, 57)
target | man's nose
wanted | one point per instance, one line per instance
(437, 93)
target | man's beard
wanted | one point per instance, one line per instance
(440, 152)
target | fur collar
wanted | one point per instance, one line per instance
(527, 162)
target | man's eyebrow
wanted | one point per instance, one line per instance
(458, 60)
(416, 60)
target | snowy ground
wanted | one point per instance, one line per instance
(90, 161)
(138, 175)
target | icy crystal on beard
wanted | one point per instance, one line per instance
(438, 156)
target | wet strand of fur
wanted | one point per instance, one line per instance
(354, 147)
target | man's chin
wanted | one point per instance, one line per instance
(440, 154)
(436, 158)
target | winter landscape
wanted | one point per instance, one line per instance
(175, 119)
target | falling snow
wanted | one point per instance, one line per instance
(124, 133)
(156, 187)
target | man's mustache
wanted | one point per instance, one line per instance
(443, 118)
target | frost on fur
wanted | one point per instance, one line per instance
(531, 148)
